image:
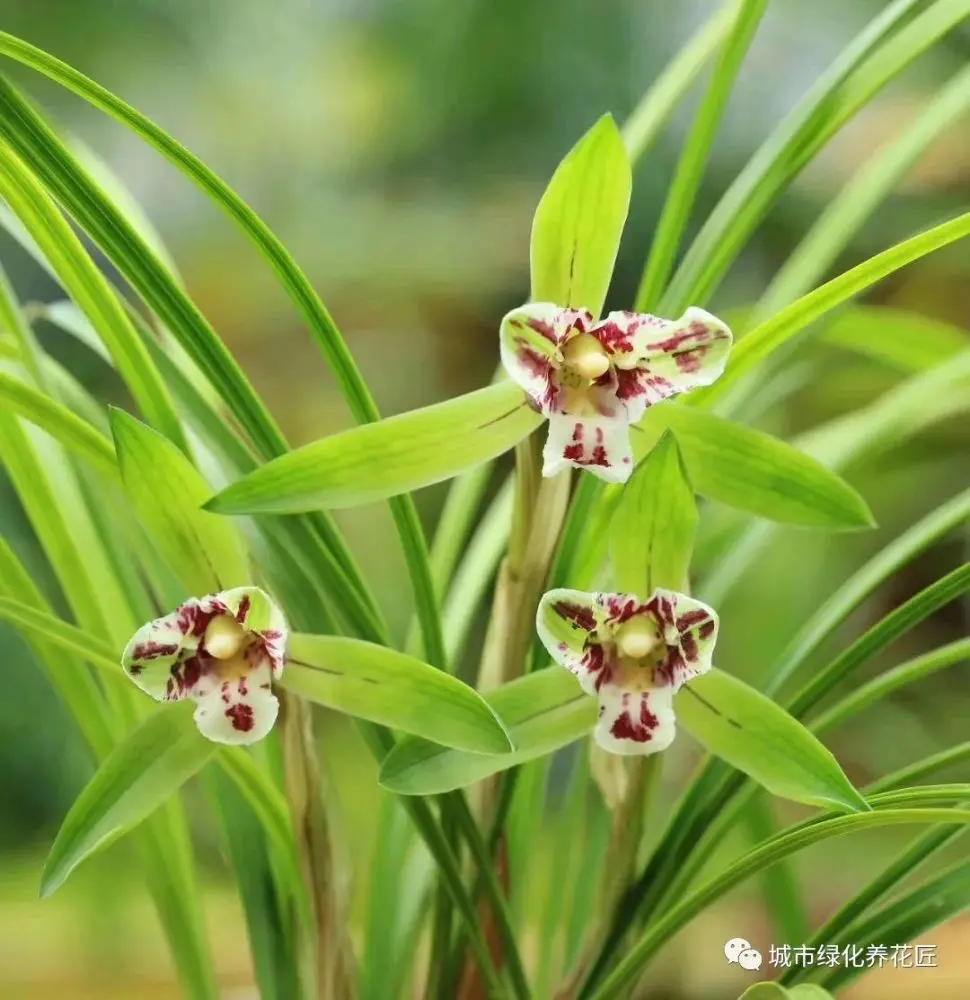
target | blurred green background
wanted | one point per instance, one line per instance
(398, 148)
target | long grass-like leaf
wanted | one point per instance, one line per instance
(858, 200)
(783, 326)
(693, 158)
(235, 390)
(866, 65)
(645, 121)
(784, 845)
(91, 291)
(51, 162)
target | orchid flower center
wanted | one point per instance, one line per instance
(638, 638)
(640, 649)
(226, 641)
(585, 357)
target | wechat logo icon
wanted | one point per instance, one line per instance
(739, 952)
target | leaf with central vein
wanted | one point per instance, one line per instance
(754, 472)
(579, 221)
(166, 492)
(137, 777)
(386, 458)
(543, 711)
(384, 686)
(652, 529)
(741, 726)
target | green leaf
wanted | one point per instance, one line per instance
(683, 188)
(934, 902)
(912, 671)
(875, 181)
(682, 911)
(765, 991)
(38, 624)
(74, 684)
(579, 221)
(90, 290)
(382, 685)
(767, 337)
(383, 459)
(653, 526)
(268, 922)
(138, 776)
(754, 472)
(774, 991)
(34, 141)
(864, 67)
(166, 491)
(891, 420)
(892, 626)
(752, 733)
(907, 341)
(74, 433)
(881, 567)
(49, 159)
(543, 711)
(656, 106)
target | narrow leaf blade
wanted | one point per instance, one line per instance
(137, 777)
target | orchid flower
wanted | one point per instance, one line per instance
(633, 655)
(593, 379)
(223, 651)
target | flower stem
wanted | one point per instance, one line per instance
(328, 959)
(629, 821)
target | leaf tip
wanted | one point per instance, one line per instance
(50, 882)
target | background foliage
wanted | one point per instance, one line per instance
(398, 151)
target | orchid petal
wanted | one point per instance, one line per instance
(239, 711)
(599, 444)
(690, 632)
(635, 723)
(570, 625)
(682, 355)
(529, 339)
(155, 657)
